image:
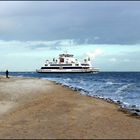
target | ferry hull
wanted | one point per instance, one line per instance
(67, 71)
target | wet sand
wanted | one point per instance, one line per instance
(37, 109)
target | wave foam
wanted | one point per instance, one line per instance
(123, 88)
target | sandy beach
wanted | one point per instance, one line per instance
(38, 109)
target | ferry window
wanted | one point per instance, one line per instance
(77, 64)
(61, 59)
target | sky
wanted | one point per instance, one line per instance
(33, 31)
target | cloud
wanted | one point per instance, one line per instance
(46, 45)
(88, 21)
(96, 37)
(95, 53)
(126, 60)
(6, 25)
(113, 59)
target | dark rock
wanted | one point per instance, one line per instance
(137, 110)
(119, 102)
(134, 114)
(133, 106)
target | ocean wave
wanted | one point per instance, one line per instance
(112, 83)
(109, 83)
(123, 88)
(20, 76)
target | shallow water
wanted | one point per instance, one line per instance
(117, 86)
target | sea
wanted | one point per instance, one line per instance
(122, 88)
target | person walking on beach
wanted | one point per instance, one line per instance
(7, 73)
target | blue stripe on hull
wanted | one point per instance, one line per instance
(70, 72)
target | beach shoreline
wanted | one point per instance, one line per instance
(134, 112)
(59, 112)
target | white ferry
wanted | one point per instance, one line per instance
(66, 63)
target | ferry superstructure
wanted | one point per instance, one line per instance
(66, 63)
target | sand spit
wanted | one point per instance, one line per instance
(17, 91)
(36, 108)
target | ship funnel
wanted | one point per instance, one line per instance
(88, 58)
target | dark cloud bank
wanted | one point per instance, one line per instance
(86, 22)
